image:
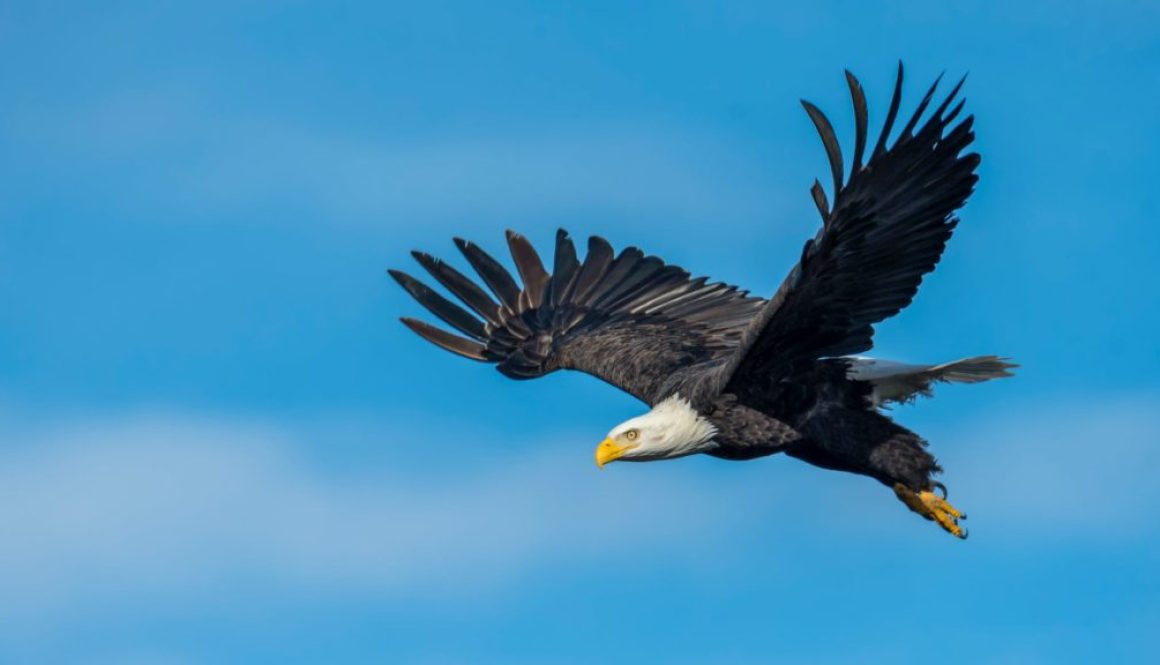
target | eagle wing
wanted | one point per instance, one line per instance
(626, 318)
(887, 229)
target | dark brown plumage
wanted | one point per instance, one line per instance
(771, 376)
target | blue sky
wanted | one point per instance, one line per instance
(218, 445)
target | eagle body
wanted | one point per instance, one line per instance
(828, 419)
(735, 376)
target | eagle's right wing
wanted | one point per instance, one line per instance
(628, 319)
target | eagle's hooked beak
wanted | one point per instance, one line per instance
(609, 451)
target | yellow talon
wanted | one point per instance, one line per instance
(933, 507)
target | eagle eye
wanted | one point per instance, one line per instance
(632, 434)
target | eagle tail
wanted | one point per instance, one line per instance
(973, 370)
(902, 383)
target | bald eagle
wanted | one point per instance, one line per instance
(735, 376)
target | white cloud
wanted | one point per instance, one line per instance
(152, 506)
(166, 510)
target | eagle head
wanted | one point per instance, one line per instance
(673, 428)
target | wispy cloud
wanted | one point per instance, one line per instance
(155, 506)
(161, 508)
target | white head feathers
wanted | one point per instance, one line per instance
(671, 429)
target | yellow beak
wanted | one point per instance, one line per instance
(609, 451)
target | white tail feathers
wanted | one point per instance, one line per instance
(901, 383)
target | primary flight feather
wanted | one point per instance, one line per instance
(732, 375)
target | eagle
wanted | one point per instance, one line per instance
(736, 376)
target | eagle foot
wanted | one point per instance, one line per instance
(933, 507)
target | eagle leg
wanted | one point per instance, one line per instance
(933, 507)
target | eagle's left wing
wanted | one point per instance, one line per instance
(890, 222)
(628, 319)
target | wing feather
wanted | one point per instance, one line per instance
(891, 115)
(564, 269)
(595, 266)
(861, 115)
(463, 288)
(497, 278)
(444, 339)
(449, 312)
(530, 267)
(829, 140)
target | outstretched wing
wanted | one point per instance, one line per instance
(888, 227)
(628, 319)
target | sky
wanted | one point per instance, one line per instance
(218, 445)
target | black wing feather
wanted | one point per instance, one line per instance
(829, 140)
(861, 119)
(820, 200)
(463, 288)
(564, 269)
(596, 264)
(891, 115)
(530, 267)
(497, 278)
(443, 339)
(449, 312)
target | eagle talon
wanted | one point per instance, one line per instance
(933, 507)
